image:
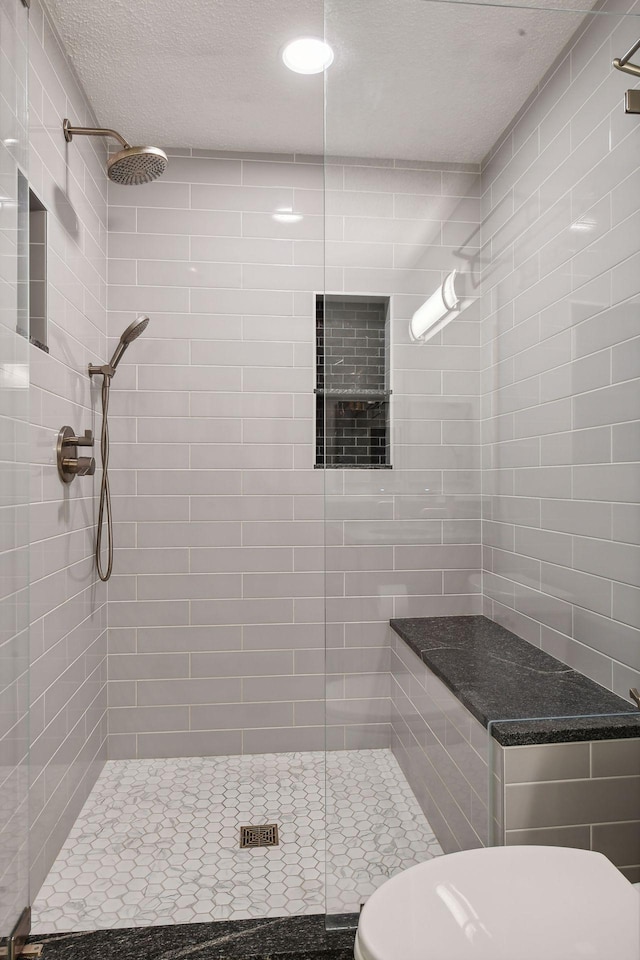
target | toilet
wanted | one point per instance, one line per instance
(504, 903)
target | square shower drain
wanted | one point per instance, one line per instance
(263, 835)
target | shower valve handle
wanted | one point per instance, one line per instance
(79, 466)
(70, 465)
(85, 441)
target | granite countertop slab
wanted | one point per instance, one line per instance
(499, 678)
(283, 938)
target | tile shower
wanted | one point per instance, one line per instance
(240, 666)
(217, 609)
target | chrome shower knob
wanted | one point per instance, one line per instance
(70, 465)
(79, 466)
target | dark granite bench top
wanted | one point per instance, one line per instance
(499, 677)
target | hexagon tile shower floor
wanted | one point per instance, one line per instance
(158, 840)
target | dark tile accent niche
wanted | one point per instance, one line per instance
(352, 382)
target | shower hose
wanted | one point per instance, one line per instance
(105, 493)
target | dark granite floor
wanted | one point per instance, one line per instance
(285, 938)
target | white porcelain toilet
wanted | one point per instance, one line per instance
(504, 903)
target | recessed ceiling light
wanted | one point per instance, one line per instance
(307, 55)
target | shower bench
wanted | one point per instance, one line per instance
(503, 743)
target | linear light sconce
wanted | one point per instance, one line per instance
(436, 312)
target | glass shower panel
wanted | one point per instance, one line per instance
(14, 471)
(486, 194)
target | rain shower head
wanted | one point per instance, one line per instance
(135, 165)
(132, 333)
(131, 165)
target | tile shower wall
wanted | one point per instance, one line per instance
(217, 602)
(14, 483)
(68, 630)
(561, 235)
(443, 751)
(571, 794)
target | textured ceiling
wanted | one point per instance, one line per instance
(411, 78)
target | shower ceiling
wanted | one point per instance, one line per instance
(416, 79)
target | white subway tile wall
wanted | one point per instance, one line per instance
(219, 510)
(561, 302)
(68, 602)
(443, 751)
(572, 794)
(14, 483)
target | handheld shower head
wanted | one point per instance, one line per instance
(134, 329)
(132, 333)
(107, 371)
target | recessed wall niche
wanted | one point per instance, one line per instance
(37, 272)
(352, 382)
(32, 266)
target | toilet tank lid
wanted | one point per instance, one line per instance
(500, 903)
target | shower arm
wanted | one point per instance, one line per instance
(622, 63)
(70, 132)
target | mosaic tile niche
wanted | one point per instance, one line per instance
(352, 382)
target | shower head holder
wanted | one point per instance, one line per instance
(106, 370)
